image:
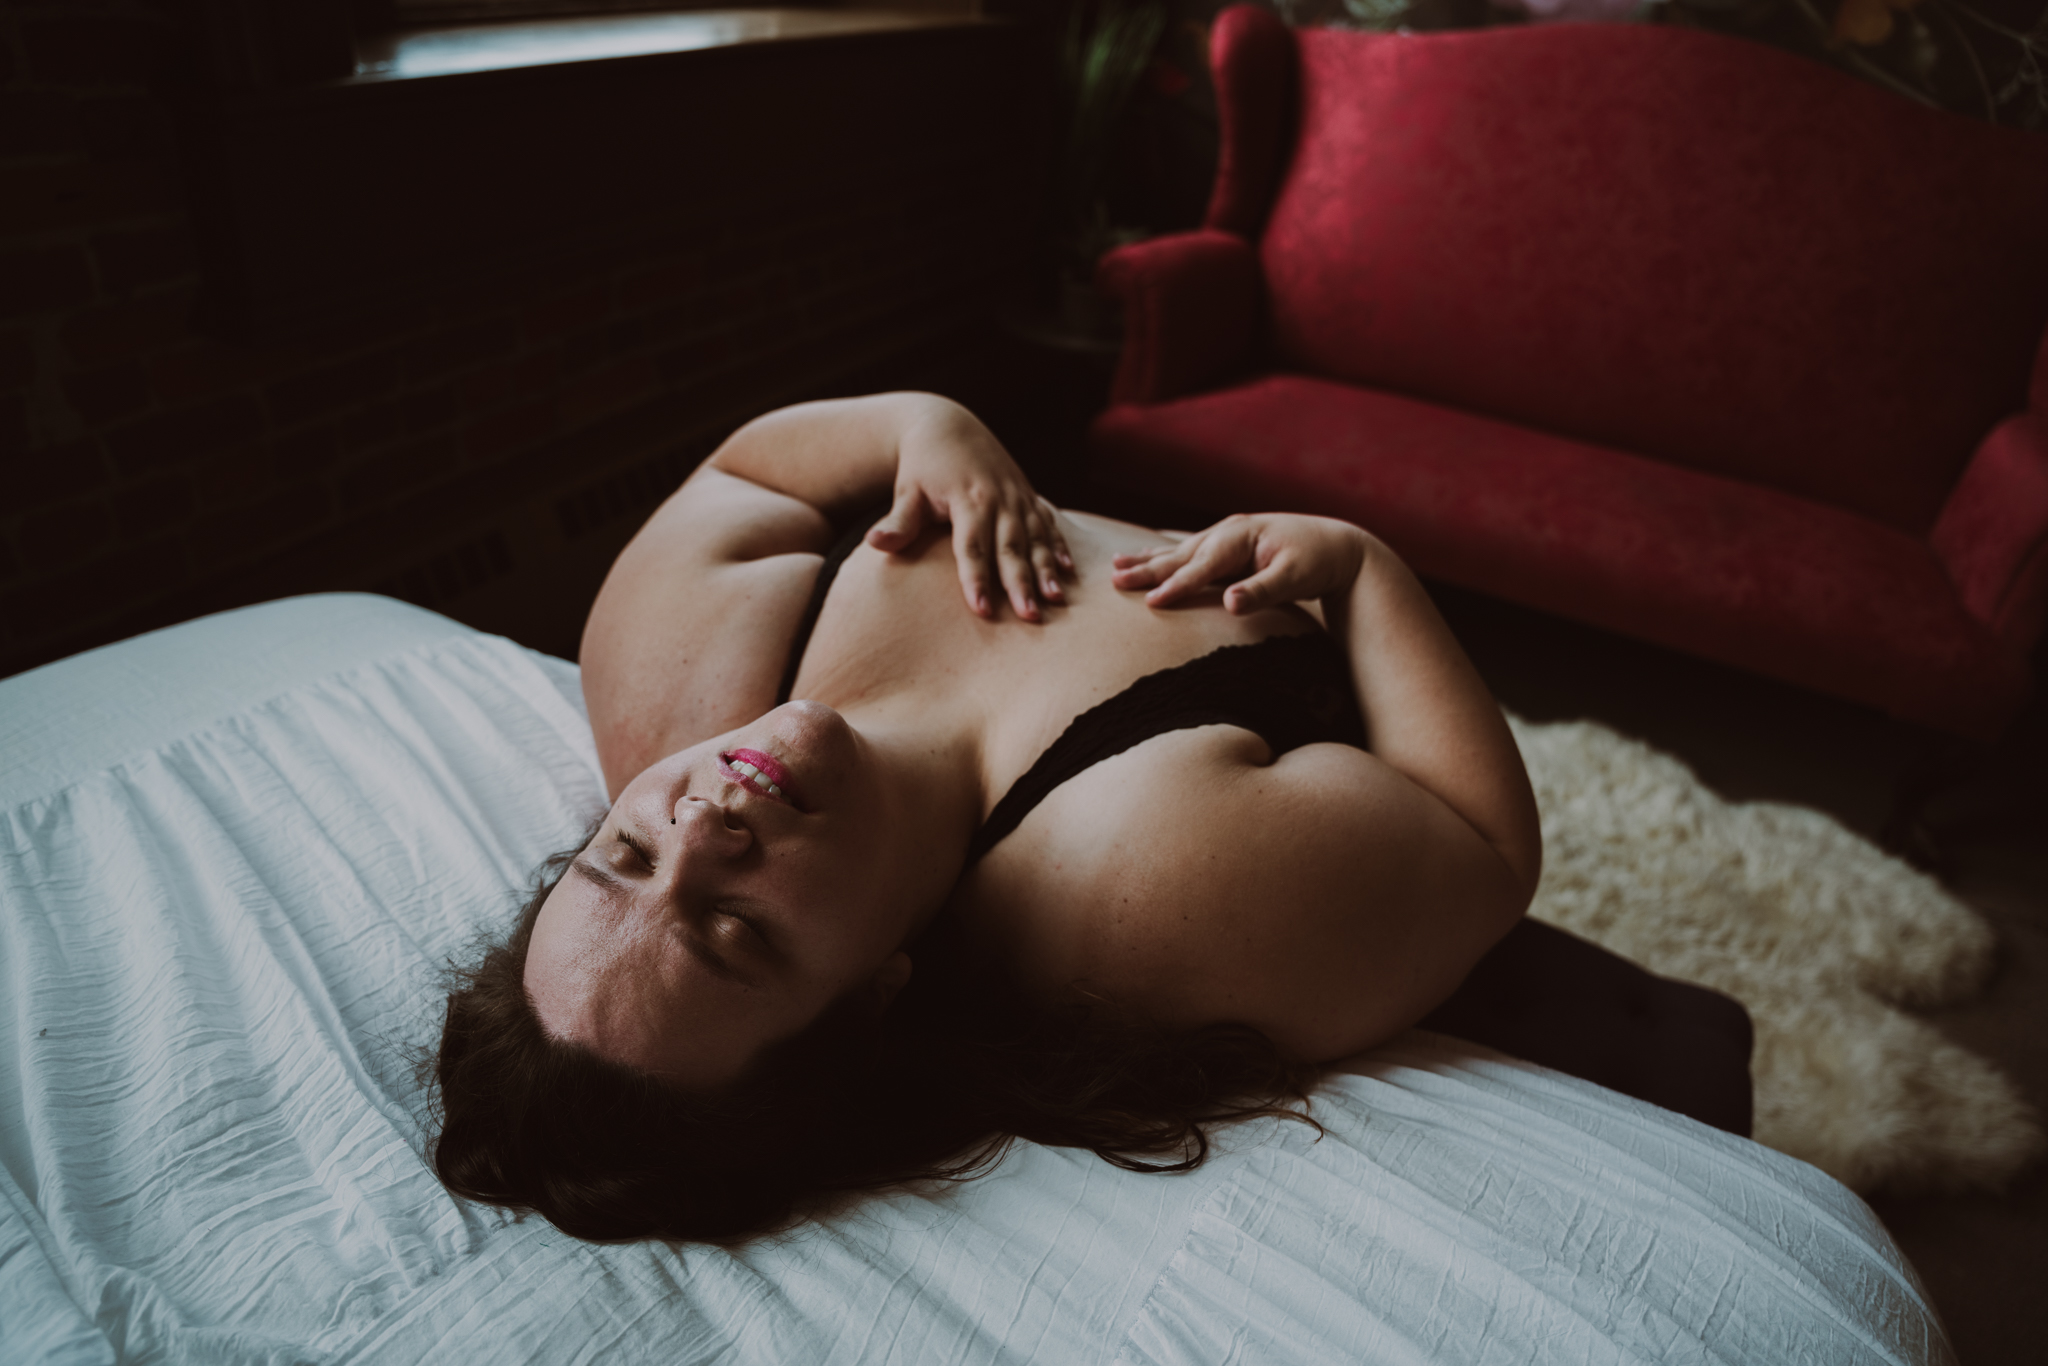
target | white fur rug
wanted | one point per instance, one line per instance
(1820, 934)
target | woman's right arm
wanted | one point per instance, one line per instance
(1429, 715)
(1369, 882)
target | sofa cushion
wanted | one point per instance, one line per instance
(1746, 575)
(1666, 241)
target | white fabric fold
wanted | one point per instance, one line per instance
(222, 924)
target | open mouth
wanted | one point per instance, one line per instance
(758, 772)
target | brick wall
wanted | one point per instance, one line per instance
(481, 449)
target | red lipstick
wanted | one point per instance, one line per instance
(770, 771)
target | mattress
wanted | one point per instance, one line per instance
(239, 855)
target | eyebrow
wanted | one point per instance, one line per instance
(615, 887)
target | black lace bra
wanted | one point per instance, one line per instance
(1288, 690)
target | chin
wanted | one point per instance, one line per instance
(815, 741)
(803, 713)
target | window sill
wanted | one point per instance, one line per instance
(393, 189)
(430, 52)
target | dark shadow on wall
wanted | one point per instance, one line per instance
(452, 339)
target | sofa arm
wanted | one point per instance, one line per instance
(1191, 306)
(1992, 535)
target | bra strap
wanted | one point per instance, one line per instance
(1288, 690)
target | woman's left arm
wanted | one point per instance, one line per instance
(938, 462)
(691, 631)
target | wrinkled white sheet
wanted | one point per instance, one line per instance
(237, 852)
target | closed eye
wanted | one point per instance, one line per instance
(645, 856)
(738, 914)
(749, 925)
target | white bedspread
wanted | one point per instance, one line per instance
(236, 855)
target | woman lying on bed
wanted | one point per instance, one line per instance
(1123, 846)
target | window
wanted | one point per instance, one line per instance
(428, 12)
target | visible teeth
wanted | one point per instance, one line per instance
(747, 770)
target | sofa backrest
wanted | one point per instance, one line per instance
(1692, 247)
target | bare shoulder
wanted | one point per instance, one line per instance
(1320, 896)
(689, 634)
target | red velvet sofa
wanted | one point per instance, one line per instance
(1667, 332)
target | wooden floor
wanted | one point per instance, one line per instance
(1984, 1258)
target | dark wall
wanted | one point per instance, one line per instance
(449, 339)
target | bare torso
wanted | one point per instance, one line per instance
(1048, 896)
(1325, 896)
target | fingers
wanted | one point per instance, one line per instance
(1283, 558)
(1178, 571)
(1149, 568)
(1045, 574)
(900, 527)
(1051, 561)
(1007, 546)
(1055, 539)
(1208, 559)
(1261, 590)
(1031, 557)
(1012, 564)
(971, 560)
(1015, 549)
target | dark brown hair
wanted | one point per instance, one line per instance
(934, 1089)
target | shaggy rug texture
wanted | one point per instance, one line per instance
(1820, 934)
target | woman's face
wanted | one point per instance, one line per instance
(719, 910)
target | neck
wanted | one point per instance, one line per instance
(933, 771)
